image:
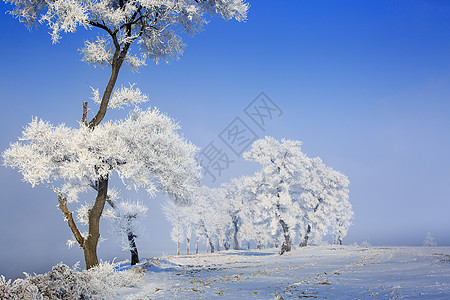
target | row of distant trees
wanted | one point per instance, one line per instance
(292, 199)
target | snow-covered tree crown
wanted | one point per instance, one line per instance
(154, 24)
(145, 150)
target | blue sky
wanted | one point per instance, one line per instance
(364, 84)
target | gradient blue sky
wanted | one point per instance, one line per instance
(364, 84)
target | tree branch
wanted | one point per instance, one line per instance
(132, 19)
(110, 32)
(115, 67)
(94, 185)
(85, 110)
(69, 218)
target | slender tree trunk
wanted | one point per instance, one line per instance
(118, 59)
(133, 248)
(304, 239)
(131, 237)
(90, 244)
(337, 240)
(286, 246)
(196, 246)
(178, 248)
(226, 245)
(70, 221)
(207, 245)
(236, 241)
(211, 246)
(188, 245)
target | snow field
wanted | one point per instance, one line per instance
(321, 272)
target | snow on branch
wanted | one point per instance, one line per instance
(154, 24)
(127, 96)
(145, 150)
(125, 218)
(97, 53)
(123, 96)
(64, 16)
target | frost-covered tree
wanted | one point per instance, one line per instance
(429, 241)
(144, 150)
(174, 214)
(154, 26)
(125, 217)
(295, 193)
(323, 200)
(293, 197)
(208, 216)
(281, 167)
(235, 204)
(250, 220)
(205, 218)
(92, 153)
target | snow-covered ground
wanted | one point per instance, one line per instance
(322, 272)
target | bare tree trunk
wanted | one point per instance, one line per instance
(133, 248)
(118, 58)
(188, 245)
(286, 246)
(71, 222)
(337, 240)
(236, 242)
(196, 245)
(90, 244)
(226, 245)
(211, 246)
(178, 248)
(130, 235)
(304, 239)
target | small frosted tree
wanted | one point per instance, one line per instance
(234, 206)
(429, 241)
(126, 217)
(174, 215)
(47, 153)
(211, 221)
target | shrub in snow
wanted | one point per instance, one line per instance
(365, 244)
(429, 240)
(62, 282)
